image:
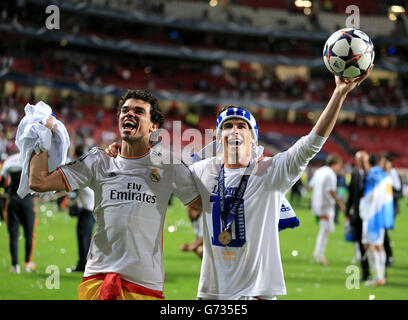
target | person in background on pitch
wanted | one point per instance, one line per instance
(377, 214)
(197, 220)
(352, 212)
(324, 199)
(19, 211)
(82, 209)
(132, 191)
(388, 166)
(341, 191)
(296, 193)
(397, 192)
(3, 197)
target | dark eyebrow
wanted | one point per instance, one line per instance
(136, 108)
(243, 123)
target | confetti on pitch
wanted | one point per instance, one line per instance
(172, 228)
(180, 222)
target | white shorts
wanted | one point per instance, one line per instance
(366, 240)
(328, 223)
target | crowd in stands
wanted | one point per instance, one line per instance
(53, 61)
(90, 25)
(91, 125)
(57, 61)
(78, 24)
(333, 6)
(199, 77)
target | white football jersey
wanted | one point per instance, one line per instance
(11, 164)
(323, 181)
(250, 265)
(131, 198)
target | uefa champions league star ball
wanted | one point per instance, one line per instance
(348, 53)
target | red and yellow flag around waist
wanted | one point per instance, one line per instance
(110, 286)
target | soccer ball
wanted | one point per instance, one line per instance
(348, 53)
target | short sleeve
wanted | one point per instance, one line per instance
(184, 186)
(80, 173)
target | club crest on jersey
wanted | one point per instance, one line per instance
(155, 175)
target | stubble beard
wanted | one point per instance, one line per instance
(133, 139)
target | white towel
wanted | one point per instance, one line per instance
(32, 135)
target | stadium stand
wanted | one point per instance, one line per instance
(239, 52)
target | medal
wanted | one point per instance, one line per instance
(224, 237)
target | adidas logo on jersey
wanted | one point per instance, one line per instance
(284, 209)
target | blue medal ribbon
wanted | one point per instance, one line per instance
(227, 216)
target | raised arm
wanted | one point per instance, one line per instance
(289, 165)
(328, 118)
(39, 179)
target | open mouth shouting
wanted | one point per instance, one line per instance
(234, 142)
(128, 126)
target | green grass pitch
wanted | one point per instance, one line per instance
(56, 252)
